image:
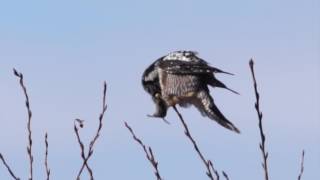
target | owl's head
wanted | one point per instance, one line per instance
(189, 56)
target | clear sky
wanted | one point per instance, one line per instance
(66, 49)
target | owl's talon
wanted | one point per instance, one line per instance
(163, 119)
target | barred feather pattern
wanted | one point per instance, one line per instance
(178, 85)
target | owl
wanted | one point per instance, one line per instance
(182, 78)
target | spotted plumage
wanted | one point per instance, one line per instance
(181, 77)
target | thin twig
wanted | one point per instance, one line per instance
(262, 135)
(225, 175)
(148, 152)
(29, 147)
(46, 156)
(207, 163)
(8, 168)
(90, 151)
(302, 165)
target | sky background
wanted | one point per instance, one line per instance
(66, 49)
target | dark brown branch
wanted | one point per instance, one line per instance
(46, 156)
(147, 151)
(207, 163)
(8, 168)
(262, 135)
(91, 145)
(302, 165)
(29, 147)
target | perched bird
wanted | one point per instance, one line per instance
(181, 77)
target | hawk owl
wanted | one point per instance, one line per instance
(181, 77)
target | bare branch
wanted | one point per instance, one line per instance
(262, 135)
(83, 156)
(46, 157)
(302, 165)
(8, 168)
(207, 163)
(91, 145)
(225, 175)
(29, 147)
(147, 151)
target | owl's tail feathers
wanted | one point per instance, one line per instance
(216, 83)
(208, 108)
(216, 70)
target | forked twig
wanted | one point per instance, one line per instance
(29, 147)
(262, 135)
(91, 145)
(8, 168)
(46, 156)
(147, 151)
(302, 165)
(207, 163)
(83, 156)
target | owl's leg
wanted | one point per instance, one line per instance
(206, 106)
(161, 107)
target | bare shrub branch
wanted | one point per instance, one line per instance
(8, 168)
(27, 103)
(147, 151)
(46, 156)
(207, 163)
(302, 166)
(262, 134)
(95, 138)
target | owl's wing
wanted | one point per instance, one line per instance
(184, 67)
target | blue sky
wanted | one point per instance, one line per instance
(66, 49)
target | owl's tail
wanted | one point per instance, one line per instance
(208, 108)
